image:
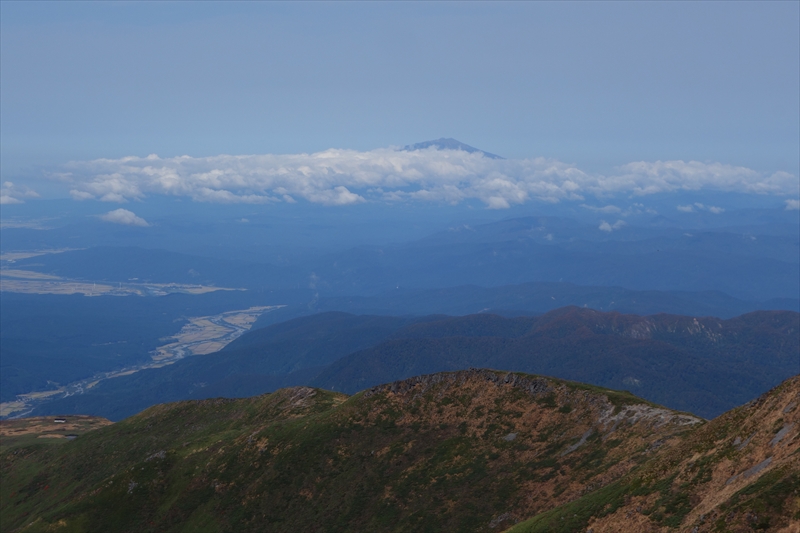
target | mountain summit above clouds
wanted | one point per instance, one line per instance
(449, 144)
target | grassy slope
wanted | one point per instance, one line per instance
(710, 481)
(26, 432)
(457, 452)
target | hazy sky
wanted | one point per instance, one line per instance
(598, 85)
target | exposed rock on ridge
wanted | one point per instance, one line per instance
(740, 472)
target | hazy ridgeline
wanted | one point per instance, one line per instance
(442, 262)
(704, 366)
(750, 254)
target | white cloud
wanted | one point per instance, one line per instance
(605, 209)
(638, 209)
(792, 204)
(343, 177)
(14, 194)
(665, 176)
(80, 195)
(125, 217)
(702, 207)
(605, 226)
(6, 199)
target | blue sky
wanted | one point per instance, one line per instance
(595, 85)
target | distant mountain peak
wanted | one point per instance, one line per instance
(449, 144)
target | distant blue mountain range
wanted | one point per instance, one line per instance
(449, 144)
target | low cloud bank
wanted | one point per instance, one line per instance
(697, 206)
(124, 217)
(605, 226)
(15, 194)
(343, 177)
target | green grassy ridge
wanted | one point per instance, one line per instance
(304, 459)
(33, 431)
(99, 455)
(27, 441)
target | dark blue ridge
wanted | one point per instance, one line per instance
(449, 144)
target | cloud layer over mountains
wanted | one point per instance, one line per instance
(341, 177)
(15, 194)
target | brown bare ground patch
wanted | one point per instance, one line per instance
(16, 256)
(241, 320)
(629, 519)
(54, 287)
(717, 468)
(26, 274)
(24, 430)
(576, 440)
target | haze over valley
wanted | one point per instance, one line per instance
(400, 267)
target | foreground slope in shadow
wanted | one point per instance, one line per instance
(474, 450)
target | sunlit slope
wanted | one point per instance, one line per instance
(739, 472)
(473, 450)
